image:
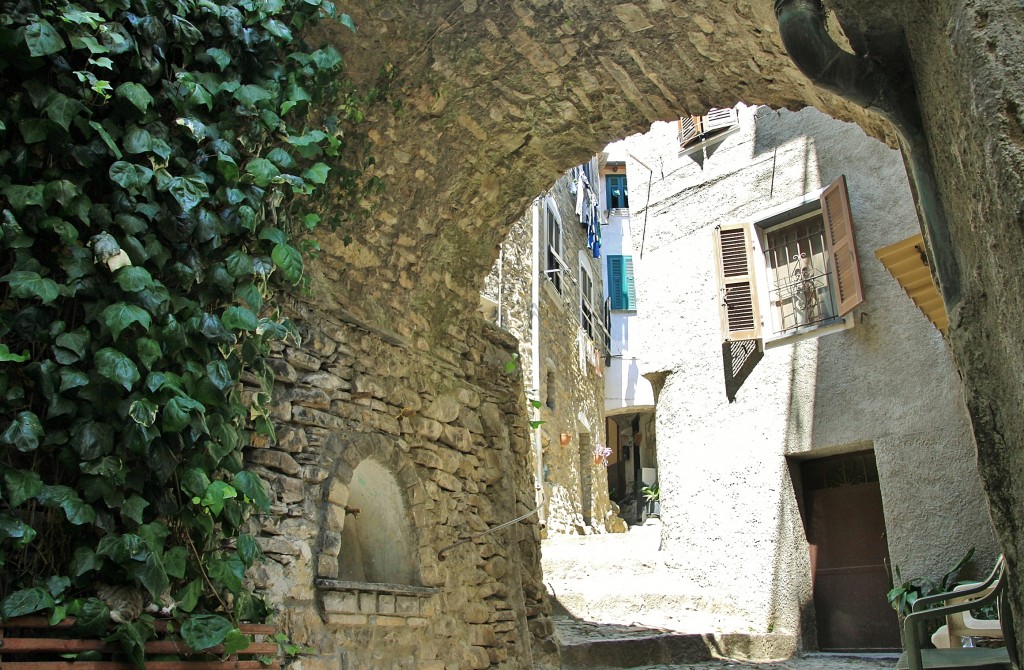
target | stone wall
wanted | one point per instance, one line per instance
(568, 381)
(448, 432)
(731, 508)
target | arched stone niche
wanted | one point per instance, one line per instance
(368, 557)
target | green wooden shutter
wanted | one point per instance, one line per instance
(621, 286)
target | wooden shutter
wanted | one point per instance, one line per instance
(621, 287)
(737, 288)
(690, 127)
(835, 206)
(720, 118)
(629, 284)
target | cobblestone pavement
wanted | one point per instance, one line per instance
(805, 662)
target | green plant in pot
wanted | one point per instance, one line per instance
(652, 494)
(904, 593)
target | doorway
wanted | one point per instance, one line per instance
(845, 525)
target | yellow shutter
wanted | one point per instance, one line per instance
(737, 289)
(835, 206)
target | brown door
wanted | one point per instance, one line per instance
(849, 553)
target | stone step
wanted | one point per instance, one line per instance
(591, 645)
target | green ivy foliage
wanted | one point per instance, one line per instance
(157, 162)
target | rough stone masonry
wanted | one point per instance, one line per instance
(498, 98)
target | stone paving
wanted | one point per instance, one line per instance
(804, 662)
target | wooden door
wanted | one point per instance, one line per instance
(846, 531)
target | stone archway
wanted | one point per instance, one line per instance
(499, 97)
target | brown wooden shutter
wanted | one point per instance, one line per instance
(737, 288)
(835, 206)
(690, 127)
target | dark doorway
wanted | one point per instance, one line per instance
(846, 531)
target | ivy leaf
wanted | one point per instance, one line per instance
(278, 29)
(346, 21)
(26, 284)
(252, 486)
(250, 94)
(203, 631)
(121, 315)
(248, 550)
(61, 190)
(262, 171)
(175, 561)
(84, 560)
(24, 432)
(26, 601)
(143, 412)
(289, 260)
(239, 318)
(220, 375)
(21, 485)
(7, 356)
(107, 139)
(220, 57)
(326, 58)
(117, 367)
(93, 616)
(236, 641)
(133, 278)
(216, 493)
(227, 168)
(135, 94)
(188, 191)
(130, 176)
(228, 570)
(250, 295)
(72, 379)
(23, 196)
(188, 597)
(317, 174)
(132, 508)
(149, 351)
(92, 439)
(176, 413)
(16, 529)
(62, 110)
(42, 39)
(77, 511)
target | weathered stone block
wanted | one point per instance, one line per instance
(427, 458)
(331, 544)
(469, 398)
(447, 481)
(291, 439)
(282, 370)
(277, 545)
(477, 658)
(482, 636)
(443, 408)
(326, 381)
(407, 605)
(493, 419)
(276, 460)
(416, 621)
(338, 494)
(307, 396)
(312, 417)
(427, 428)
(280, 410)
(476, 613)
(470, 420)
(368, 603)
(386, 604)
(364, 386)
(301, 360)
(327, 567)
(388, 620)
(347, 619)
(457, 437)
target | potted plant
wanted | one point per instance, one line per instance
(652, 494)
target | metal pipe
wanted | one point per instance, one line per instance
(443, 551)
(872, 85)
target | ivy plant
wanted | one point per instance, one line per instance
(158, 162)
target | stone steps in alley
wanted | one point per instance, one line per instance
(617, 605)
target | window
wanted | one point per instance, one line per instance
(588, 317)
(621, 286)
(792, 272)
(553, 265)
(618, 195)
(696, 132)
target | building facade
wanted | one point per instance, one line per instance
(811, 435)
(546, 288)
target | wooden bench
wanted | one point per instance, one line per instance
(31, 643)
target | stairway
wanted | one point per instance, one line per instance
(617, 605)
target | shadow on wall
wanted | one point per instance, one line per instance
(739, 358)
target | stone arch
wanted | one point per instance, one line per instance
(368, 529)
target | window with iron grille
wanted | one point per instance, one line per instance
(791, 273)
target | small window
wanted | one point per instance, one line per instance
(618, 194)
(588, 317)
(792, 273)
(621, 285)
(554, 267)
(549, 389)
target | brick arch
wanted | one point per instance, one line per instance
(389, 469)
